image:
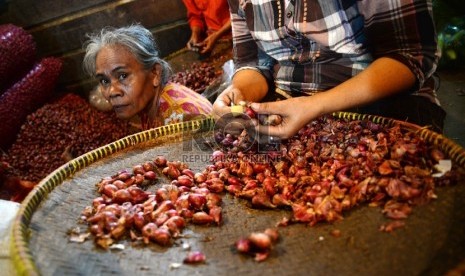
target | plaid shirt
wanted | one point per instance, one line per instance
(320, 43)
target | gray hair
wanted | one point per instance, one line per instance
(136, 38)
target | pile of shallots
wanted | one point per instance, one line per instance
(198, 77)
(329, 167)
(126, 209)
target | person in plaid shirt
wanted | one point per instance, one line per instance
(315, 57)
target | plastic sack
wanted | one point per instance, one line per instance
(17, 55)
(27, 95)
(97, 100)
(451, 41)
(220, 84)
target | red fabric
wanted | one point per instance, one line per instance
(210, 15)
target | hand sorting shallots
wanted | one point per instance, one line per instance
(264, 119)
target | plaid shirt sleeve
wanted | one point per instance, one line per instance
(320, 43)
(402, 30)
(247, 55)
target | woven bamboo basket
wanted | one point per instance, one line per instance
(40, 244)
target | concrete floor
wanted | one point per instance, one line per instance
(452, 96)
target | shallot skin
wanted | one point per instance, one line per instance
(326, 169)
(331, 165)
(258, 244)
(125, 207)
(195, 257)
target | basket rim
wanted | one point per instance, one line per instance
(21, 255)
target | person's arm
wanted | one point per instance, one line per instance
(209, 42)
(374, 83)
(403, 42)
(196, 24)
(195, 39)
(250, 81)
(403, 30)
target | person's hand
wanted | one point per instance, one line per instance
(295, 114)
(229, 97)
(231, 122)
(194, 41)
(207, 45)
(193, 45)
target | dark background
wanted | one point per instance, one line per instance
(59, 27)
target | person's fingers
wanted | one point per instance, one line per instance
(221, 102)
(263, 108)
(205, 50)
(274, 131)
(219, 112)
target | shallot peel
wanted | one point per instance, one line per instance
(217, 214)
(194, 257)
(243, 245)
(260, 240)
(250, 112)
(199, 177)
(270, 120)
(329, 166)
(185, 180)
(160, 161)
(162, 236)
(150, 175)
(138, 169)
(272, 233)
(202, 218)
(258, 244)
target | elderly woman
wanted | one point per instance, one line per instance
(135, 80)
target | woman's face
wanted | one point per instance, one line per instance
(124, 82)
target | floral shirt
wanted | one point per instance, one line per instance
(320, 43)
(179, 103)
